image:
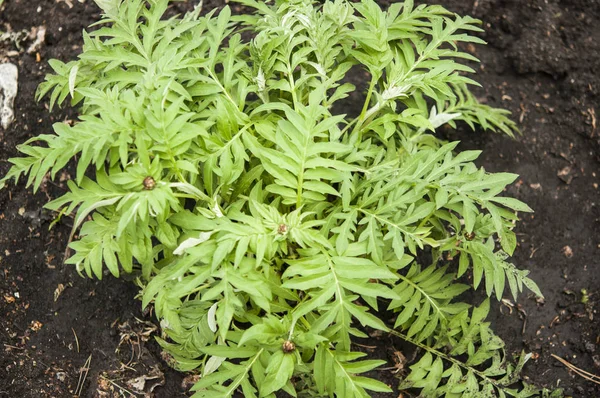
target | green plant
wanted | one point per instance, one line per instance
(268, 227)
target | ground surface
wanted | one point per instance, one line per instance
(540, 63)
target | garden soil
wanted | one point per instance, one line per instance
(62, 335)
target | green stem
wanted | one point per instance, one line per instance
(424, 293)
(218, 82)
(292, 87)
(350, 124)
(365, 108)
(345, 374)
(236, 383)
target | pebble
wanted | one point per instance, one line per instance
(61, 376)
(9, 76)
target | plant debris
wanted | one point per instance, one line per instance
(567, 251)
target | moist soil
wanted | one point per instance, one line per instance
(62, 335)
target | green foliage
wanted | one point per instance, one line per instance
(266, 226)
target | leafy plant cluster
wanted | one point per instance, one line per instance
(269, 227)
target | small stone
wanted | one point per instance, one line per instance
(9, 76)
(40, 36)
(565, 175)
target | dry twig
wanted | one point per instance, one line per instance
(76, 339)
(83, 372)
(586, 375)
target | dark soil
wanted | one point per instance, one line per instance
(540, 63)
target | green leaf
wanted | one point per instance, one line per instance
(512, 203)
(278, 373)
